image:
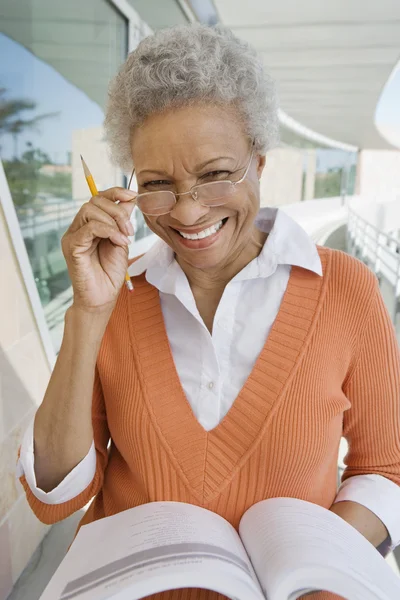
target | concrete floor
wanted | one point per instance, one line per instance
(337, 239)
(45, 560)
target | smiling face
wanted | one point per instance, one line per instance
(194, 145)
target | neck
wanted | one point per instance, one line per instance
(218, 277)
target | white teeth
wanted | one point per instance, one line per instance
(202, 234)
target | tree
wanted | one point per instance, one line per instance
(10, 120)
(23, 174)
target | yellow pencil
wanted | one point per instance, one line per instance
(94, 192)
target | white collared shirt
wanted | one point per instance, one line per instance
(213, 367)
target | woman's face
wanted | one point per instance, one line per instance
(188, 146)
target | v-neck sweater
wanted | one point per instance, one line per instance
(330, 367)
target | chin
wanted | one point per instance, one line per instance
(201, 262)
(206, 252)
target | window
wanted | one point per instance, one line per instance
(332, 171)
(53, 89)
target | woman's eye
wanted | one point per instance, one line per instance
(156, 183)
(216, 175)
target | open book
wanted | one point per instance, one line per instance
(284, 549)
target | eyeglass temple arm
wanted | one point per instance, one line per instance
(247, 168)
(131, 177)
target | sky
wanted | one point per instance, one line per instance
(27, 77)
(388, 110)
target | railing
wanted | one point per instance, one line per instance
(56, 216)
(379, 250)
(42, 227)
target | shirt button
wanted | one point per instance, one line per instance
(211, 385)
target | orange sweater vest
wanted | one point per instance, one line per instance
(330, 367)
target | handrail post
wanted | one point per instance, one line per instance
(382, 253)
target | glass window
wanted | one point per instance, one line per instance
(333, 171)
(53, 89)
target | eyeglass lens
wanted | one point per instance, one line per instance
(209, 194)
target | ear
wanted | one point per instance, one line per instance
(261, 160)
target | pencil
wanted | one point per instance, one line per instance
(94, 192)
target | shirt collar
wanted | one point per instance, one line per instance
(290, 243)
(287, 243)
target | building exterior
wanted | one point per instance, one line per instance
(56, 62)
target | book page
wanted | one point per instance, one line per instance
(151, 548)
(296, 546)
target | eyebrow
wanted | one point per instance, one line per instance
(196, 170)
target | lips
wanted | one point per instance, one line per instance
(199, 233)
(203, 242)
(203, 233)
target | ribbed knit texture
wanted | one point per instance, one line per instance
(330, 367)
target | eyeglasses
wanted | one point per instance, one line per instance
(214, 193)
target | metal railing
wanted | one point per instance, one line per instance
(42, 227)
(39, 220)
(36, 220)
(379, 250)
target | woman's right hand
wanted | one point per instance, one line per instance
(95, 247)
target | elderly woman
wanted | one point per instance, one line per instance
(245, 351)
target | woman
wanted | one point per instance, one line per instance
(244, 353)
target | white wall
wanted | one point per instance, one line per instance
(24, 374)
(90, 143)
(318, 216)
(385, 215)
(379, 175)
(282, 179)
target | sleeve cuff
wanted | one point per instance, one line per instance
(71, 486)
(380, 495)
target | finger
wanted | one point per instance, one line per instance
(89, 212)
(121, 212)
(83, 238)
(118, 194)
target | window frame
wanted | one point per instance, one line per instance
(137, 29)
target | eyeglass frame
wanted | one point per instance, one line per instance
(176, 194)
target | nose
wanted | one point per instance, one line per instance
(188, 211)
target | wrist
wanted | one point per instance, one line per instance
(82, 315)
(93, 312)
(362, 519)
(86, 326)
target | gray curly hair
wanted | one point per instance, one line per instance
(184, 65)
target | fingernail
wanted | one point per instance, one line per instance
(127, 194)
(129, 228)
(124, 238)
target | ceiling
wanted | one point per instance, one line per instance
(330, 59)
(160, 13)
